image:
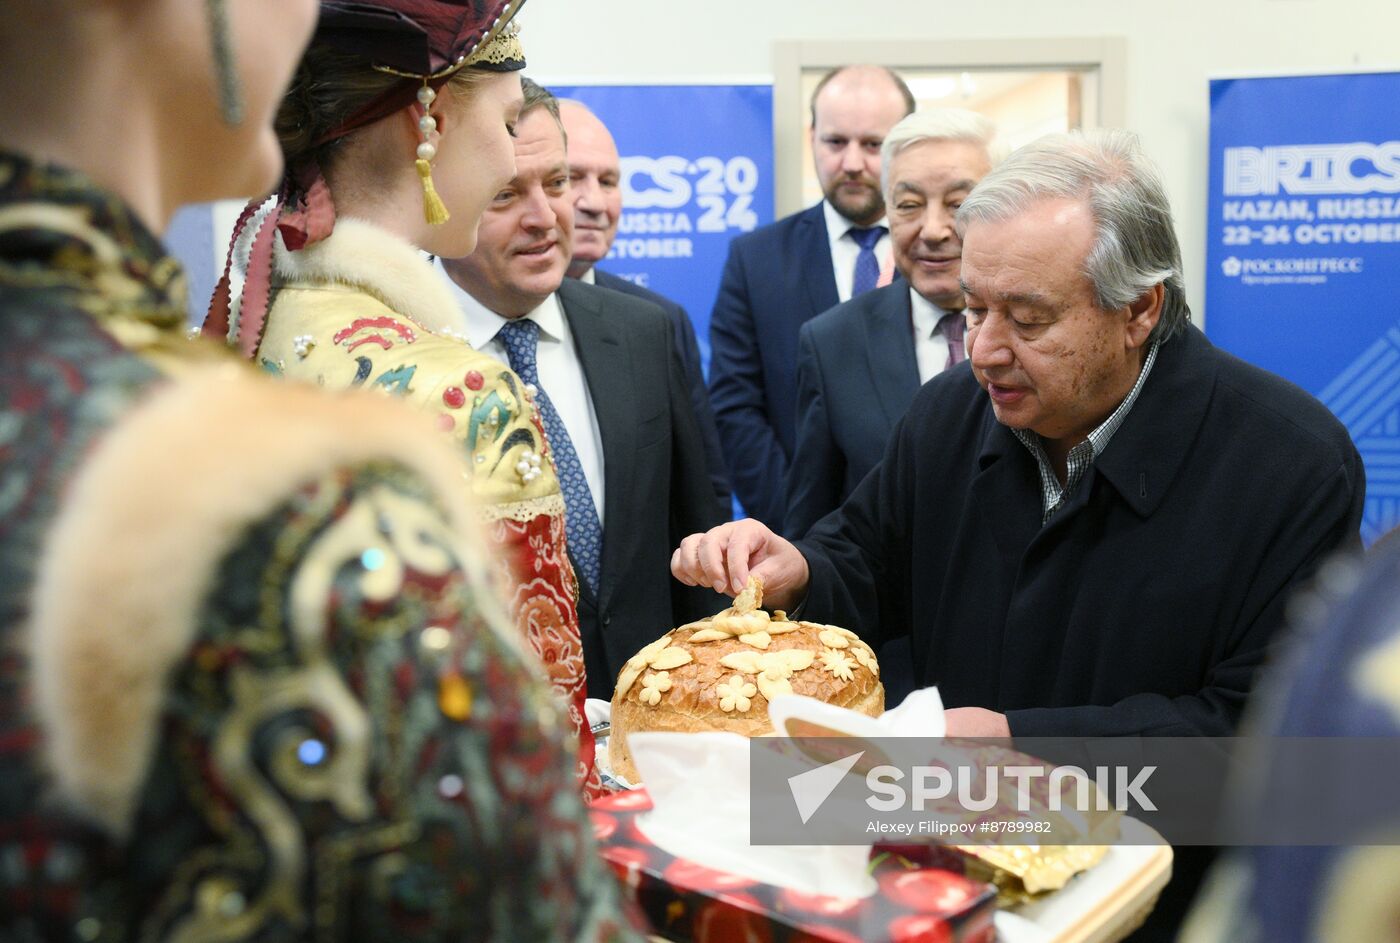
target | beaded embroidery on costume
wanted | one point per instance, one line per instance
(364, 309)
(343, 738)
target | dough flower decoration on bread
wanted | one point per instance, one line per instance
(653, 686)
(772, 668)
(866, 658)
(736, 694)
(839, 664)
(654, 656)
(720, 673)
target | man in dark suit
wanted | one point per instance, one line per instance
(611, 392)
(780, 276)
(595, 173)
(860, 364)
(1096, 529)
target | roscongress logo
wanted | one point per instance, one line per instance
(1292, 271)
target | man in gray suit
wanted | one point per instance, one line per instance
(595, 172)
(860, 363)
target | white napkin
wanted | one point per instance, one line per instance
(904, 733)
(699, 785)
(921, 715)
(597, 711)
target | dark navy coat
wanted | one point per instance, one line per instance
(856, 376)
(1147, 603)
(776, 278)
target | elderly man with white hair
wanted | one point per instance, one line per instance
(1094, 530)
(860, 363)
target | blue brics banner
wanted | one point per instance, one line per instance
(697, 170)
(1303, 261)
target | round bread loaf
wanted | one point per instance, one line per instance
(719, 673)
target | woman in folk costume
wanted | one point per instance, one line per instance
(396, 139)
(253, 683)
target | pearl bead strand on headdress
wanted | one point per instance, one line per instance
(433, 209)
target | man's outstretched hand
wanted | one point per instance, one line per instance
(724, 557)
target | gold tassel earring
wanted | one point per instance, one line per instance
(434, 211)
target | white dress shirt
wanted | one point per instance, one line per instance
(588, 278)
(930, 346)
(561, 373)
(845, 250)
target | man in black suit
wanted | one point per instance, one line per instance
(611, 393)
(780, 276)
(860, 364)
(595, 173)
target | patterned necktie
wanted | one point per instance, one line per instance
(867, 271)
(952, 327)
(585, 533)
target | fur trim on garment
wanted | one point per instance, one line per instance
(364, 256)
(146, 523)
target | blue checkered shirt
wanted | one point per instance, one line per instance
(1053, 497)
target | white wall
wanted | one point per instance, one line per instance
(1174, 46)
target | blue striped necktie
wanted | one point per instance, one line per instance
(521, 338)
(867, 272)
